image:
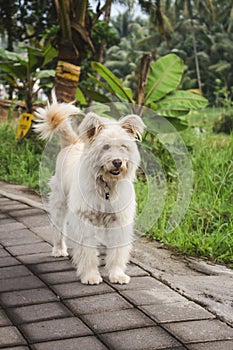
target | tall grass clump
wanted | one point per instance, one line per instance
(19, 159)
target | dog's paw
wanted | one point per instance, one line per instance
(57, 253)
(120, 278)
(94, 278)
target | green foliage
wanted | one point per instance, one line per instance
(207, 228)
(114, 85)
(19, 160)
(23, 71)
(26, 21)
(164, 77)
(161, 94)
(168, 29)
(224, 124)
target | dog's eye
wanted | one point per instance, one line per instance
(106, 147)
(124, 146)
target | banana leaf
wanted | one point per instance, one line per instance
(16, 70)
(46, 73)
(181, 100)
(114, 82)
(164, 76)
(80, 97)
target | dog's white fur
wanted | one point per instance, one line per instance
(92, 199)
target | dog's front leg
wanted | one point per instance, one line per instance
(116, 262)
(85, 260)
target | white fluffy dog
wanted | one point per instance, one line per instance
(92, 199)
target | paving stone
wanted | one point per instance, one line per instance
(178, 311)
(16, 348)
(20, 283)
(152, 296)
(38, 258)
(140, 283)
(132, 269)
(22, 233)
(36, 220)
(6, 220)
(27, 249)
(218, 345)
(8, 242)
(33, 218)
(10, 336)
(4, 320)
(77, 289)
(83, 343)
(11, 226)
(44, 232)
(140, 339)
(14, 271)
(3, 253)
(27, 297)
(13, 205)
(136, 271)
(8, 261)
(39, 312)
(54, 266)
(59, 277)
(25, 212)
(117, 320)
(3, 201)
(55, 329)
(97, 303)
(200, 331)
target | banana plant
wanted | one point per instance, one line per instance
(22, 71)
(158, 90)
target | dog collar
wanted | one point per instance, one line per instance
(106, 188)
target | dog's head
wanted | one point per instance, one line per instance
(111, 144)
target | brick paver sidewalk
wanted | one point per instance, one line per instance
(45, 307)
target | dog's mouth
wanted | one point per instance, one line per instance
(115, 172)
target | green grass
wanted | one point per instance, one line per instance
(19, 160)
(206, 229)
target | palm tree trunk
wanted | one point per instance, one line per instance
(71, 50)
(143, 74)
(194, 46)
(67, 73)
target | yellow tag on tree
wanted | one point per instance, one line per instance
(24, 125)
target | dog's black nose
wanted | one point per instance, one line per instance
(117, 163)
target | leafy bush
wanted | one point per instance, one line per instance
(224, 124)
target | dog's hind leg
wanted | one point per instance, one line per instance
(57, 213)
(59, 244)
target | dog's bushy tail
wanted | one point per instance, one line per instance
(54, 118)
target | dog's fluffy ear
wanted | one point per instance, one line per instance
(90, 127)
(134, 125)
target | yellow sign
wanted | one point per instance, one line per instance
(24, 125)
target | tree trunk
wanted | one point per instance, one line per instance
(72, 47)
(194, 45)
(67, 73)
(142, 80)
(107, 14)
